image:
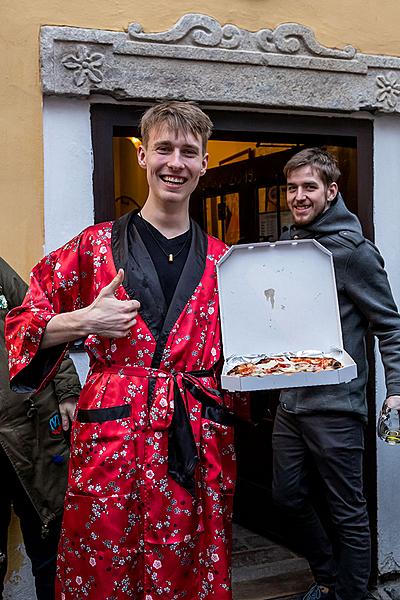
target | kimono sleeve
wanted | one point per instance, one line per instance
(55, 287)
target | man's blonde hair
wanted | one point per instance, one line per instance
(177, 116)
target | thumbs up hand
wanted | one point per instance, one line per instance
(109, 317)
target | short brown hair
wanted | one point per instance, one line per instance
(323, 162)
(177, 116)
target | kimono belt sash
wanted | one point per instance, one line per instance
(183, 454)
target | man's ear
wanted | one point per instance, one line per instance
(332, 191)
(141, 156)
(204, 164)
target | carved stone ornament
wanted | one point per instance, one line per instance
(200, 59)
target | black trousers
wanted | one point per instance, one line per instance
(42, 552)
(333, 443)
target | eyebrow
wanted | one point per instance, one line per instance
(169, 143)
(308, 181)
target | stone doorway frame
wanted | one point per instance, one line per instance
(200, 59)
(220, 66)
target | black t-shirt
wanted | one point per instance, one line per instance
(168, 273)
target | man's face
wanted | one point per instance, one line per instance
(307, 195)
(174, 161)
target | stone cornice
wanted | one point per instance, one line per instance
(199, 59)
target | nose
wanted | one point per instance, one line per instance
(300, 193)
(175, 160)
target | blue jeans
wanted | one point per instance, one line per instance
(42, 552)
(332, 443)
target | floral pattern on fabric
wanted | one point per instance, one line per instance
(130, 531)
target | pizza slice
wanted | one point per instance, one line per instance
(285, 364)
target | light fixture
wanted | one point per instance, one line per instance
(135, 141)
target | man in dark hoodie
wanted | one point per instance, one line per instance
(323, 426)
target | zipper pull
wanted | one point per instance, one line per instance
(45, 532)
(32, 409)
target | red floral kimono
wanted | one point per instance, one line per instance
(148, 507)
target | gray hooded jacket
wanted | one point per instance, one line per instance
(365, 302)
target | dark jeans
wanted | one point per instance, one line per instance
(333, 443)
(42, 552)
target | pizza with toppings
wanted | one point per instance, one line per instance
(285, 364)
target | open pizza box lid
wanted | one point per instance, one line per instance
(277, 298)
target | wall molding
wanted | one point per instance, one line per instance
(200, 59)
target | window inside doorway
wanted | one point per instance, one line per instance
(242, 197)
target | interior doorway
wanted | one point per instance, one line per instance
(242, 199)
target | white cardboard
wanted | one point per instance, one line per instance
(280, 297)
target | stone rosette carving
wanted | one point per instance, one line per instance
(388, 90)
(86, 65)
(200, 59)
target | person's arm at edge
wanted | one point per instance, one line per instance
(13, 285)
(388, 333)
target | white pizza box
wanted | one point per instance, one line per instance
(277, 298)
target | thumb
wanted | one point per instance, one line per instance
(109, 289)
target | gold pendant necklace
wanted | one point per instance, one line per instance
(169, 255)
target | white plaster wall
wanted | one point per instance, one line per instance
(387, 220)
(68, 169)
(68, 178)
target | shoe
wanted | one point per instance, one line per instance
(315, 593)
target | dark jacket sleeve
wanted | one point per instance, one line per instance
(66, 381)
(13, 287)
(368, 286)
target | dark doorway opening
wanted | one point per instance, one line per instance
(242, 199)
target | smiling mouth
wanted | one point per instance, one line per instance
(173, 179)
(301, 207)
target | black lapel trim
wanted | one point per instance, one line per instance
(141, 280)
(101, 415)
(190, 277)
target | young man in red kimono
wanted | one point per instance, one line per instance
(148, 507)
